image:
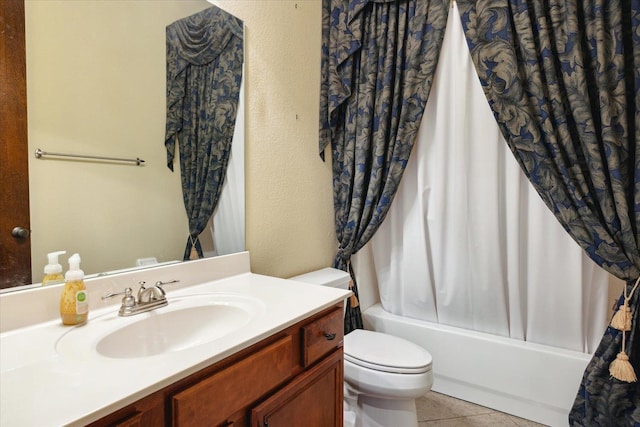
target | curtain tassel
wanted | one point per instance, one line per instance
(353, 300)
(622, 319)
(622, 369)
(194, 252)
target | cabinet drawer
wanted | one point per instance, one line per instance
(211, 400)
(322, 336)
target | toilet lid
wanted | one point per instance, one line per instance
(387, 353)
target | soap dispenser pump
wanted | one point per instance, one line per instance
(74, 304)
(53, 270)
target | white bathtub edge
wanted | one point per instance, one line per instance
(531, 381)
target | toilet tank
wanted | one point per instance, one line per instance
(326, 277)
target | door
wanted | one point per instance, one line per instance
(15, 245)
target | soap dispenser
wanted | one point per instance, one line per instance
(74, 304)
(53, 271)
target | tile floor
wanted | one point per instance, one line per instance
(439, 410)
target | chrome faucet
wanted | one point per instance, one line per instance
(151, 294)
(149, 298)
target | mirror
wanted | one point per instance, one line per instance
(96, 85)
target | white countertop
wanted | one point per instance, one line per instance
(41, 387)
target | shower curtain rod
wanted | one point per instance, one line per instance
(138, 161)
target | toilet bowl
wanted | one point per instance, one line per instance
(383, 374)
(386, 374)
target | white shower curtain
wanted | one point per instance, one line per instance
(468, 242)
(227, 224)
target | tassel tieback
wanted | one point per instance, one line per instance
(622, 319)
(194, 252)
(353, 300)
(622, 369)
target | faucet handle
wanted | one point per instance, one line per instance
(160, 284)
(127, 301)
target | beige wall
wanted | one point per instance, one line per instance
(289, 218)
(289, 197)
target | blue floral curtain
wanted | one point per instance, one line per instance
(204, 72)
(562, 78)
(378, 62)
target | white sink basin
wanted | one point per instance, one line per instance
(187, 322)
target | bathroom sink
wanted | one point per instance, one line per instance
(187, 322)
(172, 331)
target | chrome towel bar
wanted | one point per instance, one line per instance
(138, 161)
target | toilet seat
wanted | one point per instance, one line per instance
(385, 353)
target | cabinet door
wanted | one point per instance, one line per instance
(313, 399)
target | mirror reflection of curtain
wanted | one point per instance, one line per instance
(204, 73)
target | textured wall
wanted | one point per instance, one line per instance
(289, 197)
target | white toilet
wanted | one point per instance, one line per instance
(383, 374)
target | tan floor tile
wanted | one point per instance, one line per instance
(485, 420)
(436, 406)
(521, 422)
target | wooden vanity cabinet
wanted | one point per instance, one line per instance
(292, 378)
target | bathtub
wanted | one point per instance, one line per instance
(531, 381)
